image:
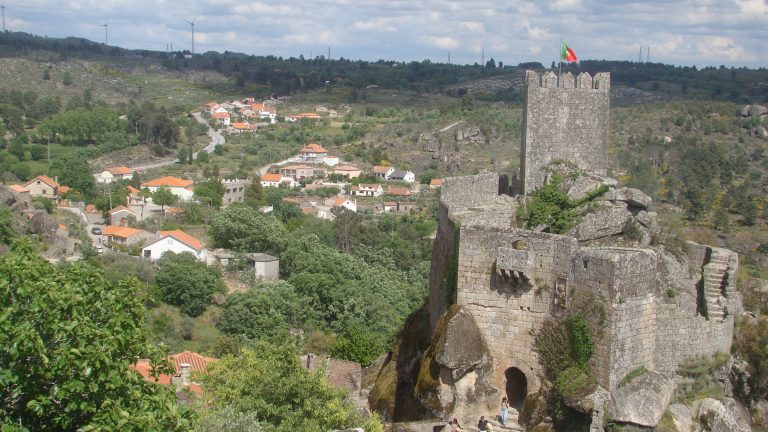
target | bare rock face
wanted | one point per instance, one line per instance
(757, 110)
(712, 415)
(586, 183)
(471, 134)
(534, 415)
(605, 222)
(761, 131)
(454, 380)
(633, 197)
(429, 142)
(643, 400)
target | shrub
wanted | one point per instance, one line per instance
(574, 383)
(634, 373)
(582, 345)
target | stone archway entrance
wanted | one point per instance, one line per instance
(516, 387)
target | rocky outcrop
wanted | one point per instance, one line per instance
(753, 111)
(713, 415)
(643, 400)
(454, 380)
(586, 183)
(632, 197)
(470, 135)
(534, 415)
(606, 221)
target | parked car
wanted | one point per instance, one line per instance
(96, 231)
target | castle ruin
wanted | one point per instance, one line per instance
(656, 307)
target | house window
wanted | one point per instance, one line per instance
(45, 192)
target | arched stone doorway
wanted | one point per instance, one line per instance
(516, 387)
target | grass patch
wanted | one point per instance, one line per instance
(632, 375)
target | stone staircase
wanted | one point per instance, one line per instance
(715, 277)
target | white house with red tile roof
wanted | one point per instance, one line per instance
(435, 183)
(370, 190)
(114, 174)
(182, 188)
(240, 127)
(268, 112)
(221, 117)
(312, 152)
(176, 241)
(342, 202)
(125, 236)
(382, 171)
(275, 180)
(43, 186)
(211, 107)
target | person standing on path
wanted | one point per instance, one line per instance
(504, 411)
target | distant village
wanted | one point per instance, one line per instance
(313, 169)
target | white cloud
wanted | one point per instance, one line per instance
(445, 42)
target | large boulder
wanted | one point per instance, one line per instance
(643, 400)
(713, 415)
(757, 110)
(633, 197)
(586, 183)
(454, 380)
(606, 221)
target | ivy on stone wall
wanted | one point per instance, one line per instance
(551, 206)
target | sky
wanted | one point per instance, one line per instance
(680, 32)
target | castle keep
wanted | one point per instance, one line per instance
(564, 120)
(651, 308)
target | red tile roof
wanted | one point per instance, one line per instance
(436, 182)
(120, 170)
(243, 126)
(132, 189)
(313, 148)
(167, 181)
(64, 189)
(45, 179)
(307, 115)
(271, 177)
(120, 231)
(381, 169)
(197, 362)
(398, 191)
(184, 238)
(120, 208)
(18, 188)
(220, 115)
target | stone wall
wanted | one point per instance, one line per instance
(564, 121)
(510, 309)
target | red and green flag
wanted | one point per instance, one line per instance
(567, 54)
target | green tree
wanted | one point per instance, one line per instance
(8, 230)
(13, 117)
(186, 282)
(75, 173)
(202, 157)
(267, 380)
(163, 197)
(38, 152)
(210, 192)
(245, 229)
(69, 338)
(358, 345)
(183, 155)
(66, 79)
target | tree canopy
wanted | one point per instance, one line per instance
(186, 282)
(245, 229)
(70, 337)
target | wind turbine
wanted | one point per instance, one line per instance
(192, 24)
(106, 33)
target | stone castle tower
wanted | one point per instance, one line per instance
(563, 121)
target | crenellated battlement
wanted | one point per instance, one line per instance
(583, 81)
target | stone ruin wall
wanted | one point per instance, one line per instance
(510, 309)
(563, 121)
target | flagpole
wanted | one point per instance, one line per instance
(560, 61)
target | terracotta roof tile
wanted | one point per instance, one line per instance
(197, 362)
(271, 177)
(167, 181)
(120, 231)
(45, 179)
(120, 208)
(18, 188)
(313, 148)
(120, 170)
(184, 238)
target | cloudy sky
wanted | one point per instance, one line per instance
(685, 32)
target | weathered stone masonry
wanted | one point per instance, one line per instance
(568, 121)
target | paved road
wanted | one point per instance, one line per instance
(216, 139)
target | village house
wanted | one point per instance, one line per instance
(264, 266)
(43, 186)
(382, 172)
(313, 153)
(275, 180)
(187, 363)
(211, 107)
(342, 202)
(221, 118)
(349, 171)
(122, 216)
(390, 206)
(435, 183)
(307, 115)
(301, 172)
(114, 174)
(182, 188)
(370, 190)
(325, 212)
(269, 112)
(404, 176)
(240, 127)
(125, 236)
(398, 191)
(176, 241)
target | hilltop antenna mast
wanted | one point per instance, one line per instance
(2, 7)
(648, 54)
(640, 57)
(449, 56)
(329, 52)
(106, 32)
(482, 58)
(192, 25)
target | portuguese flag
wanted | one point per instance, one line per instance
(567, 53)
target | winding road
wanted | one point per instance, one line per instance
(216, 139)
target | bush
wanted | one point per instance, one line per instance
(187, 283)
(574, 383)
(582, 345)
